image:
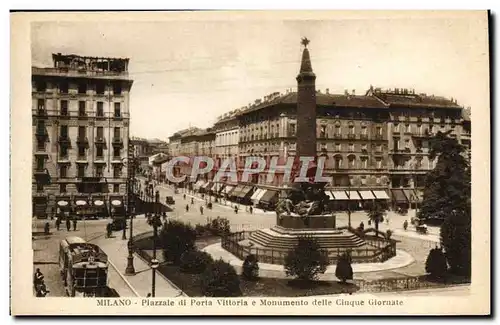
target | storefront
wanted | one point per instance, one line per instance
(367, 198)
(236, 191)
(245, 194)
(382, 198)
(63, 207)
(101, 209)
(227, 190)
(40, 206)
(256, 196)
(340, 201)
(399, 198)
(117, 207)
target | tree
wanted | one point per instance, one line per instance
(376, 215)
(435, 264)
(220, 280)
(306, 260)
(195, 261)
(343, 271)
(176, 238)
(447, 197)
(250, 268)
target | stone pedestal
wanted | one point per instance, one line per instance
(307, 222)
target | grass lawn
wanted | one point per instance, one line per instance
(269, 287)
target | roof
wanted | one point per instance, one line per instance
(416, 100)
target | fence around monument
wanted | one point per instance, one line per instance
(375, 250)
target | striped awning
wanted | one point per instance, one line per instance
(330, 195)
(228, 189)
(259, 196)
(269, 196)
(245, 191)
(256, 193)
(353, 195)
(411, 195)
(236, 191)
(367, 195)
(340, 195)
(381, 195)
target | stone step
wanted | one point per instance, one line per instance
(267, 239)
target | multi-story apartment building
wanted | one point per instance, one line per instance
(227, 136)
(80, 132)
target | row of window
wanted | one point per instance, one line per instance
(82, 87)
(82, 131)
(80, 168)
(82, 108)
(63, 189)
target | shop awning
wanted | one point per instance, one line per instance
(116, 203)
(340, 195)
(269, 196)
(420, 195)
(410, 195)
(256, 193)
(80, 203)
(228, 189)
(367, 195)
(353, 195)
(330, 195)
(99, 203)
(236, 190)
(245, 191)
(259, 196)
(381, 195)
(205, 185)
(399, 196)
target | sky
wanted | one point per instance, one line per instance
(186, 73)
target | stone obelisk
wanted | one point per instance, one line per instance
(306, 106)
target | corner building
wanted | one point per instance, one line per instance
(80, 115)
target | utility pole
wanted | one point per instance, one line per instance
(130, 270)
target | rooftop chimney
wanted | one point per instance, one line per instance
(328, 91)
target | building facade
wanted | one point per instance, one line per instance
(80, 115)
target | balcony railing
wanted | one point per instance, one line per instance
(100, 140)
(351, 136)
(117, 140)
(379, 137)
(82, 140)
(64, 139)
(363, 136)
(41, 133)
(337, 136)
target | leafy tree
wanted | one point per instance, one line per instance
(176, 238)
(447, 197)
(195, 261)
(435, 264)
(220, 280)
(306, 260)
(250, 268)
(376, 215)
(343, 271)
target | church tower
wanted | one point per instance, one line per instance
(306, 106)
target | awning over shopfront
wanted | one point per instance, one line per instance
(340, 195)
(330, 195)
(353, 195)
(236, 190)
(269, 196)
(259, 196)
(367, 195)
(116, 203)
(411, 195)
(99, 203)
(81, 203)
(256, 193)
(398, 196)
(419, 195)
(228, 189)
(381, 195)
(245, 191)
(62, 203)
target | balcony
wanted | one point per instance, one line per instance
(41, 113)
(41, 134)
(363, 136)
(82, 140)
(117, 117)
(117, 142)
(64, 139)
(364, 152)
(100, 140)
(351, 136)
(379, 137)
(337, 136)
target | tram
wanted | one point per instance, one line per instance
(83, 267)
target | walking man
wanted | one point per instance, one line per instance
(74, 224)
(68, 224)
(201, 210)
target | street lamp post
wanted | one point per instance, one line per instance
(154, 262)
(130, 269)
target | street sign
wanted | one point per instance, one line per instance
(154, 263)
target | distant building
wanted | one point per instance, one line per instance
(81, 118)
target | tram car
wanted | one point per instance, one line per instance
(83, 267)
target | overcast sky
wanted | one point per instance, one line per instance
(189, 72)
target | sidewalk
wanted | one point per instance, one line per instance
(138, 284)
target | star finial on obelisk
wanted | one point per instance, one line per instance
(305, 41)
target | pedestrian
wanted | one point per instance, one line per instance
(192, 200)
(201, 210)
(236, 209)
(41, 290)
(184, 196)
(405, 225)
(38, 278)
(58, 223)
(251, 209)
(68, 224)
(108, 230)
(187, 207)
(74, 224)
(46, 228)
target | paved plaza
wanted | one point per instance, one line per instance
(412, 247)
